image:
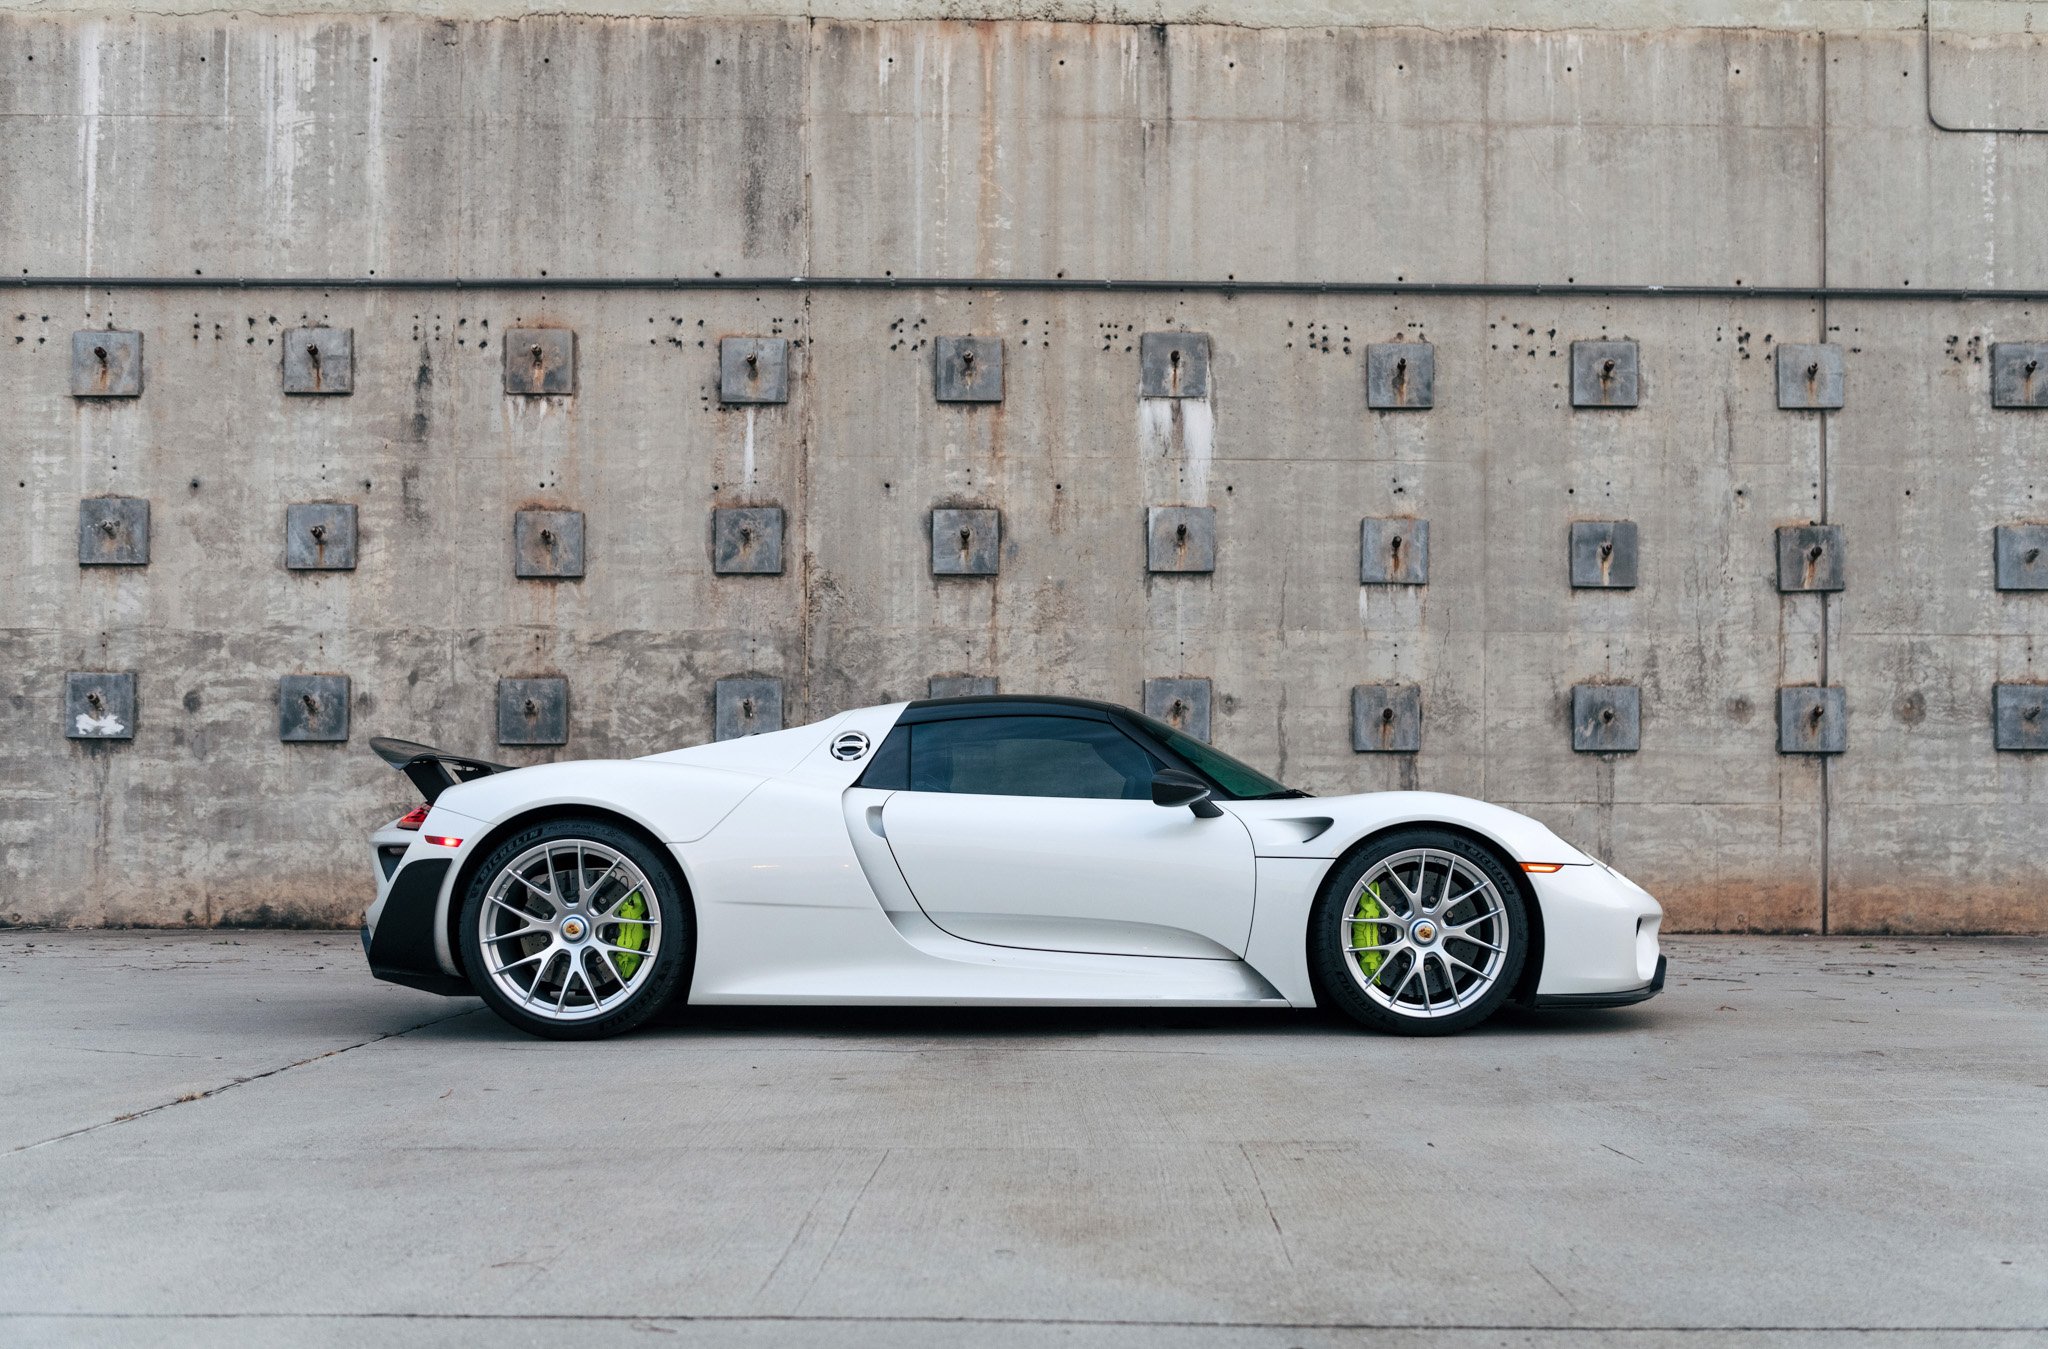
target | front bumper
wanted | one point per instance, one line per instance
(1627, 997)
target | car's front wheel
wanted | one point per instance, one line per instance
(574, 930)
(1423, 932)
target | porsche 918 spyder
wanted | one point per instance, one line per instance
(991, 851)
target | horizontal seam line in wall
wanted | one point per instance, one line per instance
(1076, 284)
(829, 1319)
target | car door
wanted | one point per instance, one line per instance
(1039, 831)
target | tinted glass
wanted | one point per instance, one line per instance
(1237, 779)
(890, 768)
(1029, 756)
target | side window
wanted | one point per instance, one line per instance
(889, 770)
(1029, 756)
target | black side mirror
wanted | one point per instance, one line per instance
(1178, 787)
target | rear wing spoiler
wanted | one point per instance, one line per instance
(432, 770)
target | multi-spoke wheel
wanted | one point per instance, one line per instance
(1422, 933)
(573, 929)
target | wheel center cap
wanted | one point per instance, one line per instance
(574, 928)
(1424, 931)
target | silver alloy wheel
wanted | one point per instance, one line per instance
(570, 929)
(1425, 932)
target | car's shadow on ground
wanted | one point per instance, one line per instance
(926, 1023)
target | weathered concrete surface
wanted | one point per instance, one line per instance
(1800, 1135)
(406, 147)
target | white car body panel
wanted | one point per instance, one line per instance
(807, 888)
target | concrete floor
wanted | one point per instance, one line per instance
(213, 1138)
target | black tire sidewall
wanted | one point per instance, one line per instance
(671, 963)
(1330, 964)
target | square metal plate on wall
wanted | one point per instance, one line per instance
(753, 370)
(960, 686)
(533, 711)
(1181, 703)
(106, 363)
(1400, 375)
(1605, 375)
(1810, 375)
(746, 541)
(2019, 374)
(320, 536)
(1810, 558)
(1180, 538)
(1603, 554)
(99, 705)
(1812, 720)
(1173, 365)
(966, 541)
(113, 532)
(547, 544)
(320, 360)
(1393, 551)
(968, 369)
(1607, 718)
(540, 361)
(2019, 716)
(1386, 718)
(312, 708)
(745, 706)
(2021, 553)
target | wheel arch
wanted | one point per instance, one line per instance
(561, 810)
(1532, 964)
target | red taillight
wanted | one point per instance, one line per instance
(442, 841)
(414, 818)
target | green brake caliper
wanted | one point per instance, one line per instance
(1365, 932)
(632, 933)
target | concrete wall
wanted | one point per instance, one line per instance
(242, 144)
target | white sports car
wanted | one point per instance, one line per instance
(994, 851)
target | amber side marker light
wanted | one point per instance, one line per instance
(442, 840)
(1540, 868)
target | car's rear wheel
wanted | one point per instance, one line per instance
(1421, 933)
(574, 930)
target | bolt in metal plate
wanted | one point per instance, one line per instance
(1604, 554)
(320, 360)
(2019, 716)
(1173, 365)
(968, 369)
(99, 705)
(2019, 374)
(746, 541)
(106, 364)
(1393, 551)
(1605, 375)
(1400, 375)
(1810, 558)
(2022, 556)
(1812, 720)
(113, 532)
(533, 711)
(753, 370)
(1607, 718)
(960, 686)
(1809, 375)
(320, 536)
(966, 542)
(312, 708)
(1181, 703)
(746, 706)
(1180, 538)
(540, 361)
(1386, 718)
(547, 544)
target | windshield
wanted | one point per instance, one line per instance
(1239, 780)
